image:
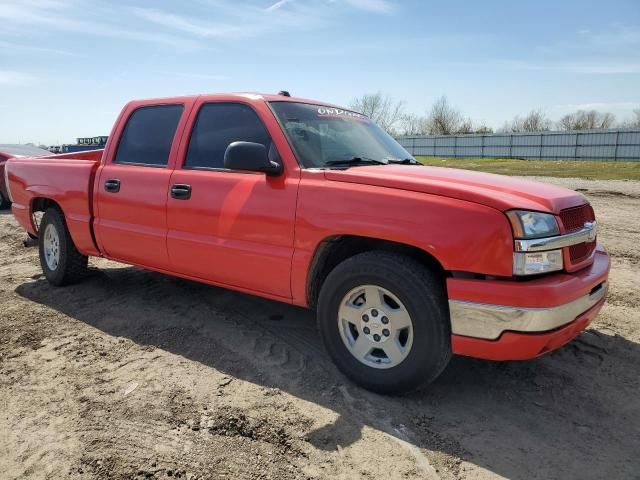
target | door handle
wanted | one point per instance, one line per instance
(180, 191)
(112, 186)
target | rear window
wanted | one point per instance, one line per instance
(148, 135)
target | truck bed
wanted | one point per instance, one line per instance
(64, 179)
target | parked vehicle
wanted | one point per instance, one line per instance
(314, 205)
(14, 151)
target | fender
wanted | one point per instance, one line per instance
(462, 236)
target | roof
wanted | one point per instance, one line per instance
(252, 96)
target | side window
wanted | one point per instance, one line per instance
(148, 134)
(218, 125)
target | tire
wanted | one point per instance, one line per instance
(61, 262)
(401, 287)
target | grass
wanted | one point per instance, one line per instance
(594, 170)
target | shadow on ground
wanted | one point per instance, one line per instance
(571, 414)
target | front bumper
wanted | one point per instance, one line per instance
(509, 320)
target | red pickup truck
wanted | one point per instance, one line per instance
(314, 205)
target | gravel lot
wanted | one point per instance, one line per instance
(133, 374)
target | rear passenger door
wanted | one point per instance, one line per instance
(132, 187)
(233, 228)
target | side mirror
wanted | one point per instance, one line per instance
(251, 157)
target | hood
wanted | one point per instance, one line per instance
(497, 191)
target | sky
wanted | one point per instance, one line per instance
(68, 66)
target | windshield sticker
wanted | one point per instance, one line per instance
(340, 113)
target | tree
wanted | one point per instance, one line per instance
(534, 121)
(466, 126)
(382, 109)
(586, 119)
(444, 119)
(482, 128)
(412, 124)
(568, 122)
(635, 120)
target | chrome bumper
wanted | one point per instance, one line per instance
(479, 320)
(587, 233)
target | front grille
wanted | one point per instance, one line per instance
(573, 219)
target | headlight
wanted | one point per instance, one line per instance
(534, 263)
(532, 224)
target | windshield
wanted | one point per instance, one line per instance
(322, 136)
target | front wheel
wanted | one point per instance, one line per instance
(383, 319)
(61, 262)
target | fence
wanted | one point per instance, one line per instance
(618, 144)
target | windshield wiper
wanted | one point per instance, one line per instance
(354, 161)
(405, 161)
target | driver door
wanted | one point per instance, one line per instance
(233, 228)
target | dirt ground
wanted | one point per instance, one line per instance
(133, 374)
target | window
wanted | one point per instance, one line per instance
(218, 125)
(148, 135)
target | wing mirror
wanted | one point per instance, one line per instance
(252, 157)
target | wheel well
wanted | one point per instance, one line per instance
(41, 204)
(334, 250)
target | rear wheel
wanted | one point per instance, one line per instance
(384, 321)
(61, 262)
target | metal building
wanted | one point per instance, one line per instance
(609, 144)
